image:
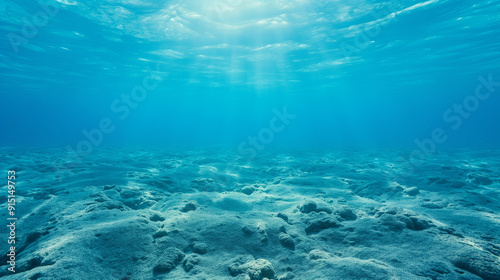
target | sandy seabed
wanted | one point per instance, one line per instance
(211, 214)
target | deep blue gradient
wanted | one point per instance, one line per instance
(355, 73)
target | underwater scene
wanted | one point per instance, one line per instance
(250, 140)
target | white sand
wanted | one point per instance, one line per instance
(149, 214)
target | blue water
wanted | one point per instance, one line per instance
(250, 139)
(353, 73)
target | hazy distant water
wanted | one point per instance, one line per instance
(204, 73)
